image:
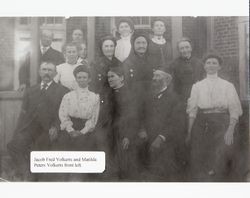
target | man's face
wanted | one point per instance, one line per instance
(158, 79)
(108, 48)
(159, 28)
(82, 79)
(47, 72)
(46, 38)
(140, 45)
(71, 54)
(212, 66)
(77, 36)
(124, 29)
(185, 49)
(114, 80)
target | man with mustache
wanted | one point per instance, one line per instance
(162, 123)
(38, 123)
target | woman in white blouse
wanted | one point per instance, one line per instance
(78, 113)
(123, 48)
(214, 109)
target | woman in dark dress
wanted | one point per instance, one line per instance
(99, 84)
(159, 49)
(123, 122)
(214, 109)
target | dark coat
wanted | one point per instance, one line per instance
(159, 55)
(51, 55)
(165, 116)
(185, 74)
(41, 107)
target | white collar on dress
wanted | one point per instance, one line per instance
(159, 40)
(212, 76)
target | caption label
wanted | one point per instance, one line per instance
(67, 162)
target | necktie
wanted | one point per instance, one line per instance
(44, 87)
(43, 50)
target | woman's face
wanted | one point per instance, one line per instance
(77, 36)
(108, 48)
(159, 28)
(140, 45)
(71, 54)
(185, 49)
(82, 79)
(114, 80)
(212, 66)
(124, 29)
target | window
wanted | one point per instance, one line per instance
(142, 22)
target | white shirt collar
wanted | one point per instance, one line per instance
(44, 49)
(212, 76)
(48, 84)
(79, 89)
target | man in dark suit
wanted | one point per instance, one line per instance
(38, 123)
(163, 128)
(46, 53)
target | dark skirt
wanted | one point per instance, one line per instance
(209, 153)
(84, 142)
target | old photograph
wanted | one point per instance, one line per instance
(165, 98)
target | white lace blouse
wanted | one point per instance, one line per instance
(80, 103)
(214, 93)
(123, 48)
(65, 75)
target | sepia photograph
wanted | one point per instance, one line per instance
(166, 98)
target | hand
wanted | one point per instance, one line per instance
(143, 135)
(229, 136)
(22, 87)
(53, 133)
(74, 134)
(156, 144)
(125, 143)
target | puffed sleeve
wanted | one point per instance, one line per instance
(66, 123)
(91, 123)
(192, 106)
(234, 105)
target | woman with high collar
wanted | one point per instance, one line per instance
(125, 28)
(159, 49)
(214, 109)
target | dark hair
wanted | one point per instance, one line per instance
(213, 54)
(127, 20)
(184, 39)
(158, 19)
(47, 62)
(118, 70)
(81, 68)
(106, 38)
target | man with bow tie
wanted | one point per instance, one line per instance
(163, 119)
(38, 122)
(46, 53)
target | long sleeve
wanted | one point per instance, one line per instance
(91, 123)
(66, 123)
(192, 107)
(234, 105)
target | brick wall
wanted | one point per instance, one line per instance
(102, 28)
(225, 41)
(6, 53)
(195, 29)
